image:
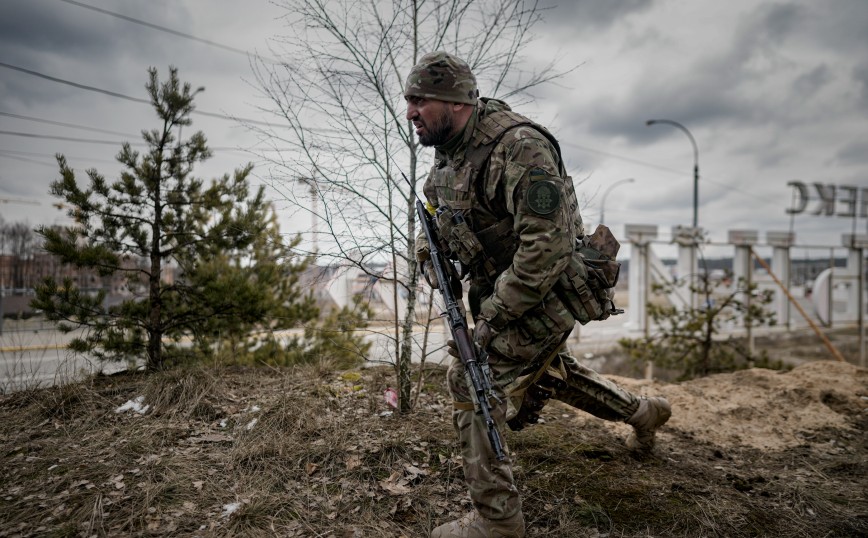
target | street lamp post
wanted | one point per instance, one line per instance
(603, 201)
(695, 166)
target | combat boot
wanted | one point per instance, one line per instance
(652, 413)
(472, 525)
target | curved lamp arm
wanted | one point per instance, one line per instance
(695, 165)
(606, 193)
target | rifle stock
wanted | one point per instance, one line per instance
(475, 365)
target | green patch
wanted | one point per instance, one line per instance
(543, 197)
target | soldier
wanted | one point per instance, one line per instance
(517, 237)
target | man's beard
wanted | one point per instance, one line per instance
(440, 130)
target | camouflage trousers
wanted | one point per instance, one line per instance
(490, 482)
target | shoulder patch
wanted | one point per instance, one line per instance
(543, 197)
(537, 173)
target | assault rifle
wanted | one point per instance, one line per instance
(475, 363)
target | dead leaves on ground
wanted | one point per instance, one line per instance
(333, 464)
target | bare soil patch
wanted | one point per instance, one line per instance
(256, 452)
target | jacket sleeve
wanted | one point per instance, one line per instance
(546, 235)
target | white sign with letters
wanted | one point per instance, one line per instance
(832, 200)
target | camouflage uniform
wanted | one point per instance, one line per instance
(520, 204)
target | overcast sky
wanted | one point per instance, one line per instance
(772, 92)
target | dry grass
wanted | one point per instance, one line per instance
(308, 452)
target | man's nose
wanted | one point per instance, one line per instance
(411, 111)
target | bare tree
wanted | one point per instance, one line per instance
(342, 130)
(19, 242)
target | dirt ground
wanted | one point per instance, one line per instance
(313, 452)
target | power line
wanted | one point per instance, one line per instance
(113, 142)
(706, 179)
(127, 97)
(62, 124)
(170, 31)
(14, 153)
(66, 138)
(75, 84)
(264, 123)
(9, 155)
(622, 158)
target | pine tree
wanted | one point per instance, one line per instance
(234, 270)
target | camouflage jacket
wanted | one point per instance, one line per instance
(523, 209)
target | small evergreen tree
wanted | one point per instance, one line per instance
(235, 272)
(691, 340)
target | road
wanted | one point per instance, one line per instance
(34, 354)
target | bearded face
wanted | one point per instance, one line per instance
(433, 120)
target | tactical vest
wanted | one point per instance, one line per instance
(481, 236)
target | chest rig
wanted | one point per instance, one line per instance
(476, 224)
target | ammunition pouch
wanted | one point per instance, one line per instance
(458, 236)
(467, 246)
(585, 285)
(573, 290)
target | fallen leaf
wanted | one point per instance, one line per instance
(395, 484)
(414, 471)
(354, 462)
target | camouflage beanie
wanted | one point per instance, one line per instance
(442, 76)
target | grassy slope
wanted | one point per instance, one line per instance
(321, 460)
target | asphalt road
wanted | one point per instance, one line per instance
(34, 354)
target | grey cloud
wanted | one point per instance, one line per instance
(855, 153)
(726, 89)
(860, 76)
(32, 28)
(698, 104)
(39, 27)
(840, 25)
(579, 14)
(808, 84)
(774, 22)
(70, 42)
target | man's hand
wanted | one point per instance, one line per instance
(427, 267)
(452, 349)
(483, 333)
